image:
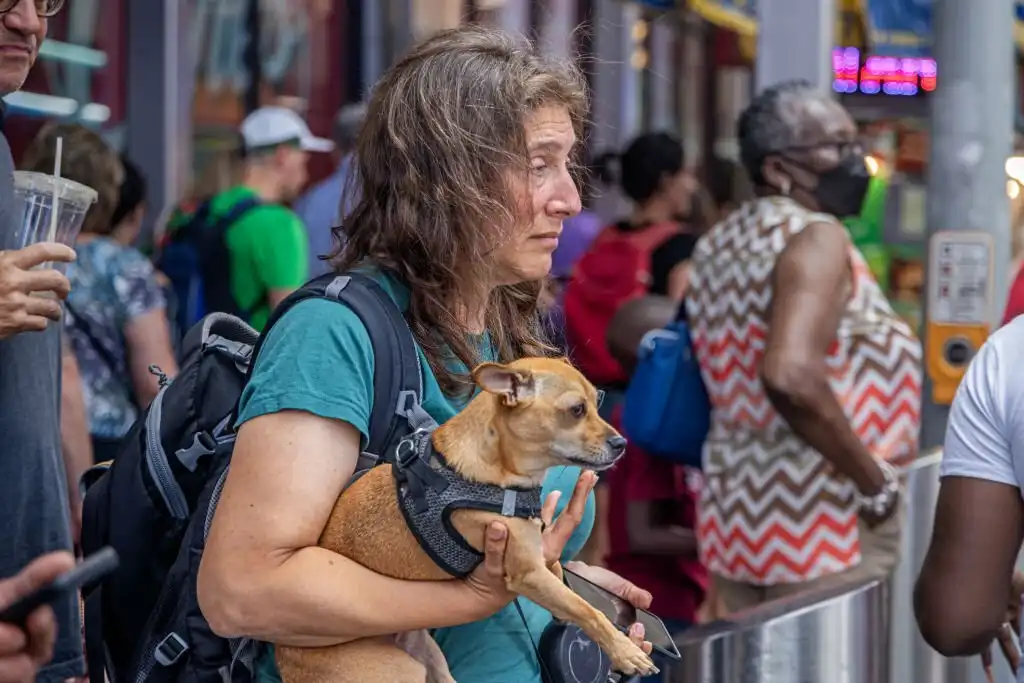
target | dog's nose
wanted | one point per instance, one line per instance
(616, 444)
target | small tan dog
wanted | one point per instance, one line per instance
(533, 414)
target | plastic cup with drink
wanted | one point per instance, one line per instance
(49, 208)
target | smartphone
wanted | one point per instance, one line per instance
(91, 569)
(623, 614)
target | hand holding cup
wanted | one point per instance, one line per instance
(30, 296)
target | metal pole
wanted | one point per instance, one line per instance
(971, 138)
(251, 58)
(795, 40)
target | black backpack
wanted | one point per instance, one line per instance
(155, 502)
(197, 261)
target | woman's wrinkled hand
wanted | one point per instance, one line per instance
(488, 579)
(558, 531)
(627, 590)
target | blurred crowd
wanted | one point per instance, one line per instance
(806, 382)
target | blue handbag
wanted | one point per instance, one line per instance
(667, 411)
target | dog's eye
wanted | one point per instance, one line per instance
(579, 410)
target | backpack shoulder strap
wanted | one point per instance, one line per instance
(191, 226)
(397, 377)
(235, 213)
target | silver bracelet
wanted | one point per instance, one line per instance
(881, 502)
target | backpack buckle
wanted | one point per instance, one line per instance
(170, 650)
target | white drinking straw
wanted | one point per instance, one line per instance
(56, 190)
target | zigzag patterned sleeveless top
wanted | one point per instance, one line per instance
(773, 510)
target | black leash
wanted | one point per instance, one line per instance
(545, 675)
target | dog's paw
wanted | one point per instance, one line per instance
(628, 658)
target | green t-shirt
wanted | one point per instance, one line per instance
(318, 359)
(268, 248)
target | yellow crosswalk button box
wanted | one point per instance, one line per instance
(960, 306)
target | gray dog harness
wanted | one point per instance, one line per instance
(429, 491)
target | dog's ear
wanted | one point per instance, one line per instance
(514, 386)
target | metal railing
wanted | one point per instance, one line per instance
(840, 632)
(835, 633)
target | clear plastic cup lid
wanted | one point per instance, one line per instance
(43, 184)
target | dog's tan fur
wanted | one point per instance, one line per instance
(509, 435)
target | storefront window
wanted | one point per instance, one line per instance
(302, 54)
(80, 74)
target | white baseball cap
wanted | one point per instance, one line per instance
(269, 126)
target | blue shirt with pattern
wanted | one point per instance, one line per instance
(111, 285)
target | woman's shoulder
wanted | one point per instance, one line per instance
(316, 324)
(318, 359)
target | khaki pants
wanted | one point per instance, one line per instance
(880, 553)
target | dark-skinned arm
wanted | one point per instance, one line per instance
(649, 537)
(632, 321)
(962, 592)
(812, 282)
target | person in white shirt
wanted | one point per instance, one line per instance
(968, 593)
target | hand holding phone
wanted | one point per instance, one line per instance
(93, 568)
(24, 649)
(621, 613)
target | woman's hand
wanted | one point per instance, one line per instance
(627, 590)
(488, 579)
(558, 531)
(1009, 633)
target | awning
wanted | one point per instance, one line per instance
(740, 16)
(899, 28)
(903, 28)
(736, 15)
(895, 28)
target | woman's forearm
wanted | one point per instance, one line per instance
(316, 598)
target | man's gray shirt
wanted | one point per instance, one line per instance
(33, 485)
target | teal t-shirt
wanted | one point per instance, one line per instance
(305, 355)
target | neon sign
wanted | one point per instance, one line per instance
(881, 75)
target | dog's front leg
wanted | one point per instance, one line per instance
(422, 647)
(526, 575)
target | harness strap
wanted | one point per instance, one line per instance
(430, 491)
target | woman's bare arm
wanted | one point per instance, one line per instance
(262, 575)
(148, 339)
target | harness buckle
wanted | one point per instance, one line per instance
(410, 449)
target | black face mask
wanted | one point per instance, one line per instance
(841, 190)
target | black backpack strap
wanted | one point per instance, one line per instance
(234, 214)
(193, 226)
(397, 377)
(209, 236)
(82, 325)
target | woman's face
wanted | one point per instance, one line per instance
(547, 196)
(679, 190)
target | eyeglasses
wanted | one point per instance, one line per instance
(44, 8)
(842, 147)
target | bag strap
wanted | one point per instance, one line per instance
(234, 214)
(397, 377)
(82, 325)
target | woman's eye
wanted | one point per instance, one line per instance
(539, 169)
(579, 410)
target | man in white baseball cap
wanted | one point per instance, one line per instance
(273, 126)
(261, 240)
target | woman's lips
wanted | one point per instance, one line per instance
(547, 240)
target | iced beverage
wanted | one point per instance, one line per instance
(36, 197)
